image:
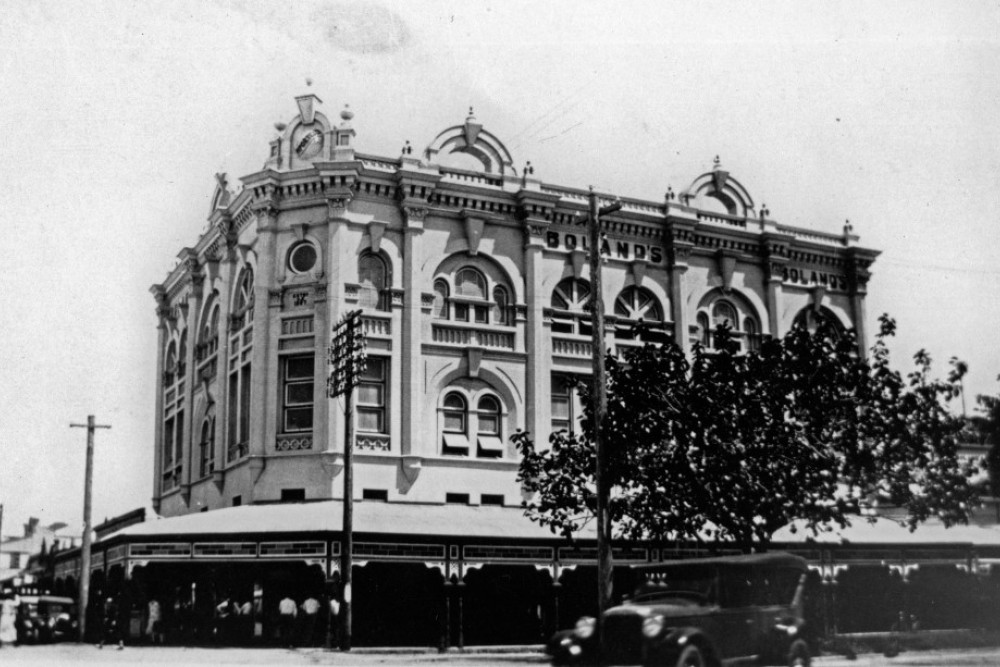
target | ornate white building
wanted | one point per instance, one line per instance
(473, 286)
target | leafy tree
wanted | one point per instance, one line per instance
(731, 447)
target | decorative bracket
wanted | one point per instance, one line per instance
(576, 257)
(475, 357)
(376, 229)
(726, 264)
(473, 232)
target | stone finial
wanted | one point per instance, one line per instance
(716, 163)
(346, 115)
(764, 211)
(669, 194)
(848, 227)
(407, 148)
(528, 169)
(280, 127)
(471, 118)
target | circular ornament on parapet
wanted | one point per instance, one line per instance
(302, 257)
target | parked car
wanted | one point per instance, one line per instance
(701, 613)
(46, 618)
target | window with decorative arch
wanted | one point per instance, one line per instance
(472, 426)
(571, 307)
(635, 305)
(208, 338)
(172, 444)
(735, 312)
(820, 321)
(206, 445)
(239, 367)
(473, 298)
(375, 280)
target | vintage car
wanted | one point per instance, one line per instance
(700, 613)
(46, 618)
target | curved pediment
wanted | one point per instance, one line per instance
(471, 139)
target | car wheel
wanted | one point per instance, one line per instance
(798, 654)
(691, 656)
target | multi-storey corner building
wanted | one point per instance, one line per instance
(473, 286)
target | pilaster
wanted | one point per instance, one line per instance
(775, 258)
(227, 277)
(411, 386)
(162, 312)
(196, 278)
(262, 403)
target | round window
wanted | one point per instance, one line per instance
(302, 258)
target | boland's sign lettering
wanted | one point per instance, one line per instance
(619, 249)
(809, 277)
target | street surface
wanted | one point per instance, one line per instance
(67, 654)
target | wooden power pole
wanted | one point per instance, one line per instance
(348, 357)
(88, 484)
(599, 408)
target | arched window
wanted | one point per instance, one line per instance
(470, 301)
(704, 330)
(170, 364)
(207, 447)
(454, 412)
(373, 274)
(244, 291)
(182, 357)
(488, 437)
(723, 312)
(240, 369)
(735, 312)
(501, 306)
(750, 334)
(635, 304)
(441, 299)
(469, 282)
(571, 303)
(820, 321)
(454, 409)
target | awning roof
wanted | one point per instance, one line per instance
(387, 518)
(887, 531)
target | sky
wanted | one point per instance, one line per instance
(117, 115)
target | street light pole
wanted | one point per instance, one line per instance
(88, 483)
(599, 407)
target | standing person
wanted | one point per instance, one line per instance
(311, 610)
(154, 626)
(287, 613)
(8, 618)
(333, 630)
(110, 633)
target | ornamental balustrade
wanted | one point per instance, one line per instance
(463, 335)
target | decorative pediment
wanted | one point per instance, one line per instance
(719, 184)
(472, 139)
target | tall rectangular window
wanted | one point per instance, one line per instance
(168, 444)
(371, 399)
(234, 409)
(567, 408)
(297, 393)
(245, 381)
